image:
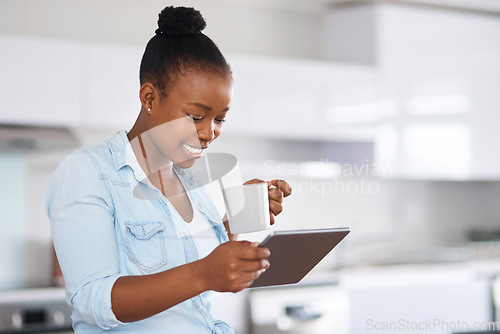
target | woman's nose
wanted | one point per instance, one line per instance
(206, 131)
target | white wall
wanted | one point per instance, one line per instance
(40, 167)
(392, 221)
(13, 217)
(25, 241)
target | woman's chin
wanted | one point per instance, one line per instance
(185, 164)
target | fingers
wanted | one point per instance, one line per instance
(252, 262)
(251, 271)
(282, 189)
(276, 194)
(250, 251)
(277, 189)
(255, 266)
(280, 184)
(252, 258)
(247, 281)
(234, 265)
(283, 186)
(275, 200)
(275, 209)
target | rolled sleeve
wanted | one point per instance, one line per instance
(81, 214)
(93, 303)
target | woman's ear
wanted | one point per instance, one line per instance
(147, 94)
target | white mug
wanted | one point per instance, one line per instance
(247, 207)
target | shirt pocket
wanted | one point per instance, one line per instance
(145, 244)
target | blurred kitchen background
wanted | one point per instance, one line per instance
(382, 115)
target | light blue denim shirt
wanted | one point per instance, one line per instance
(109, 221)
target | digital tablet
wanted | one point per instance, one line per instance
(295, 253)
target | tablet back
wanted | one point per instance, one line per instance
(295, 253)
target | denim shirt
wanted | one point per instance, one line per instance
(109, 221)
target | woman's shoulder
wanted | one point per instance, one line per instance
(82, 172)
(97, 156)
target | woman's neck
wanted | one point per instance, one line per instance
(148, 156)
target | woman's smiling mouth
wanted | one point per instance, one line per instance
(193, 152)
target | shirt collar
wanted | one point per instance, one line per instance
(123, 154)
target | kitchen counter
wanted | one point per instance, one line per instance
(361, 299)
(41, 310)
(31, 295)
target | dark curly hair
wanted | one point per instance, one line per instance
(179, 45)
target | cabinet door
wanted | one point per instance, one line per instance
(290, 98)
(39, 81)
(420, 301)
(111, 86)
(445, 127)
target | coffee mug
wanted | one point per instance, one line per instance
(247, 207)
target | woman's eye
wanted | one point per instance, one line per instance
(199, 119)
(194, 118)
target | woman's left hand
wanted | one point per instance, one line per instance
(277, 189)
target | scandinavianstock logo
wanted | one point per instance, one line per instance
(325, 178)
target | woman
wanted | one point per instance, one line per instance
(122, 212)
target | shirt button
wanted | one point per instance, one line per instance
(200, 205)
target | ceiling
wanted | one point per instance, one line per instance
(478, 5)
(488, 6)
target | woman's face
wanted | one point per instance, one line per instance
(184, 123)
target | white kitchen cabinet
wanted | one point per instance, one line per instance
(444, 298)
(484, 121)
(40, 82)
(432, 298)
(443, 70)
(289, 98)
(299, 309)
(49, 82)
(435, 102)
(110, 86)
(445, 127)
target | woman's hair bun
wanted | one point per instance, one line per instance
(180, 21)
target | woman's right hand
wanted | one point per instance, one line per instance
(234, 265)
